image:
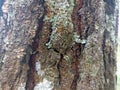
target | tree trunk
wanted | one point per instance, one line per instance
(58, 44)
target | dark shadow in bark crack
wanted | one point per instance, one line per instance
(30, 84)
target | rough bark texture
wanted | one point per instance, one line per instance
(58, 44)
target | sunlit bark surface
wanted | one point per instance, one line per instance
(58, 44)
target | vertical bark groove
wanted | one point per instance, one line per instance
(76, 18)
(30, 84)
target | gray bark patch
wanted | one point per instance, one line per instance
(1, 4)
(109, 6)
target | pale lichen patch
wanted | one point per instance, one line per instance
(45, 85)
(77, 39)
(67, 58)
(22, 86)
(38, 68)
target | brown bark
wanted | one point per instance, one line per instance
(58, 44)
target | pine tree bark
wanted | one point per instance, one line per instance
(58, 44)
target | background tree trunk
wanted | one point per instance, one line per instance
(58, 44)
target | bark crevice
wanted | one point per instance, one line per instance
(30, 84)
(76, 18)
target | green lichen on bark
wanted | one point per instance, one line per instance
(60, 19)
